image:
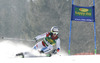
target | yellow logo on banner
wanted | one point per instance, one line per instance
(83, 9)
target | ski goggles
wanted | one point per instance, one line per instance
(55, 32)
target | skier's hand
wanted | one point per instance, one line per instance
(54, 51)
(35, 40)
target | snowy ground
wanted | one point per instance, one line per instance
(9, 49)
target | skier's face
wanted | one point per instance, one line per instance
(54, 35)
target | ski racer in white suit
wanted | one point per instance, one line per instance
(50, 39)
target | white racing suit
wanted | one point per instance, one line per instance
(46, 45)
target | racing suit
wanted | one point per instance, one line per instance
(46, 45)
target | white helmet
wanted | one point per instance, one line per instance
(54, 30)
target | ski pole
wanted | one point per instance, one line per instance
(4, 38)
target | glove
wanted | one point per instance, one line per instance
(54, 51)
(35, 39)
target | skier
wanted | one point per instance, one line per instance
(50, 40)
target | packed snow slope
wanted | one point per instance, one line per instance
(8, 49)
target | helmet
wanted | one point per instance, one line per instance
(54, 30)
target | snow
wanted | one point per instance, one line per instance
(9, 49)
(62, 59)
